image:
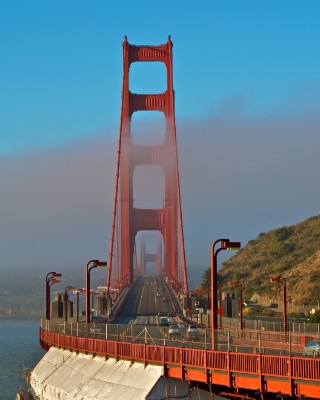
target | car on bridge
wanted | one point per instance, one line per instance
(174, 330)
(312, 349)
(95, 330)
(164, 321)
(172, 314)
(192, 332)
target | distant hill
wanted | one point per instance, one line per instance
(292, 252)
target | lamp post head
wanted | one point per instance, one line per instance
(77, 291)
(53, 274)
(276, 279)
(98, 263)
(101, 264)
(53, 281)
(232, 245)
(70, 288)
(93, 292)
(226, 244)
(234, 284)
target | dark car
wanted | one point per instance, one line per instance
(171, 314)
(164, 321)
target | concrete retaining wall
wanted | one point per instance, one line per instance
(65, 375)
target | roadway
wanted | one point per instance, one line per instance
(143, 305)
(150, 296)
(148, 299)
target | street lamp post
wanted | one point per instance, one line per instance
(50, 280)
(50, 283)
(282, 281)
(95, 264)
(66, 301)
(207, 302)
(93, 293)
(239, 284)
(220, 306)
(78, 298)
(225, 244)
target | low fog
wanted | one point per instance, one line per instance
(239, 177)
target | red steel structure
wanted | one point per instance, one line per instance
(168, 219)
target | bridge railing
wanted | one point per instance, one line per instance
(295, 375)
(245, 341)
(273, 324)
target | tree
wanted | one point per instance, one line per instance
(206, 279)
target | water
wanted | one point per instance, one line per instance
(19, 345)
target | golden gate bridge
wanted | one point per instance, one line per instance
(206, 362)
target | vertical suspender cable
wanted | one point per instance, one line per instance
(185, 280)
(115, 203)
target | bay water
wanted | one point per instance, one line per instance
(19, 346)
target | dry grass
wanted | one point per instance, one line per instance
(292, 252)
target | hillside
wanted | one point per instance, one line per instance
(292, 252)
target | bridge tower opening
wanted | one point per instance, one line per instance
(151, 252)
(128, 219)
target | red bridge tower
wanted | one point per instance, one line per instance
(168, 219)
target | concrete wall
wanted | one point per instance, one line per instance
(65, 375)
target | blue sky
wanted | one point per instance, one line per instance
(61, 61)
(247, 82)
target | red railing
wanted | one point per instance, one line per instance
(298, 376)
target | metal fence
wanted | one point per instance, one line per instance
(227, 339)
(274, 324)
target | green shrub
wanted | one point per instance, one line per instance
(315, 318)
(281, 234)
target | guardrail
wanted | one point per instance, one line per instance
(293, 375)
(245, 341)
